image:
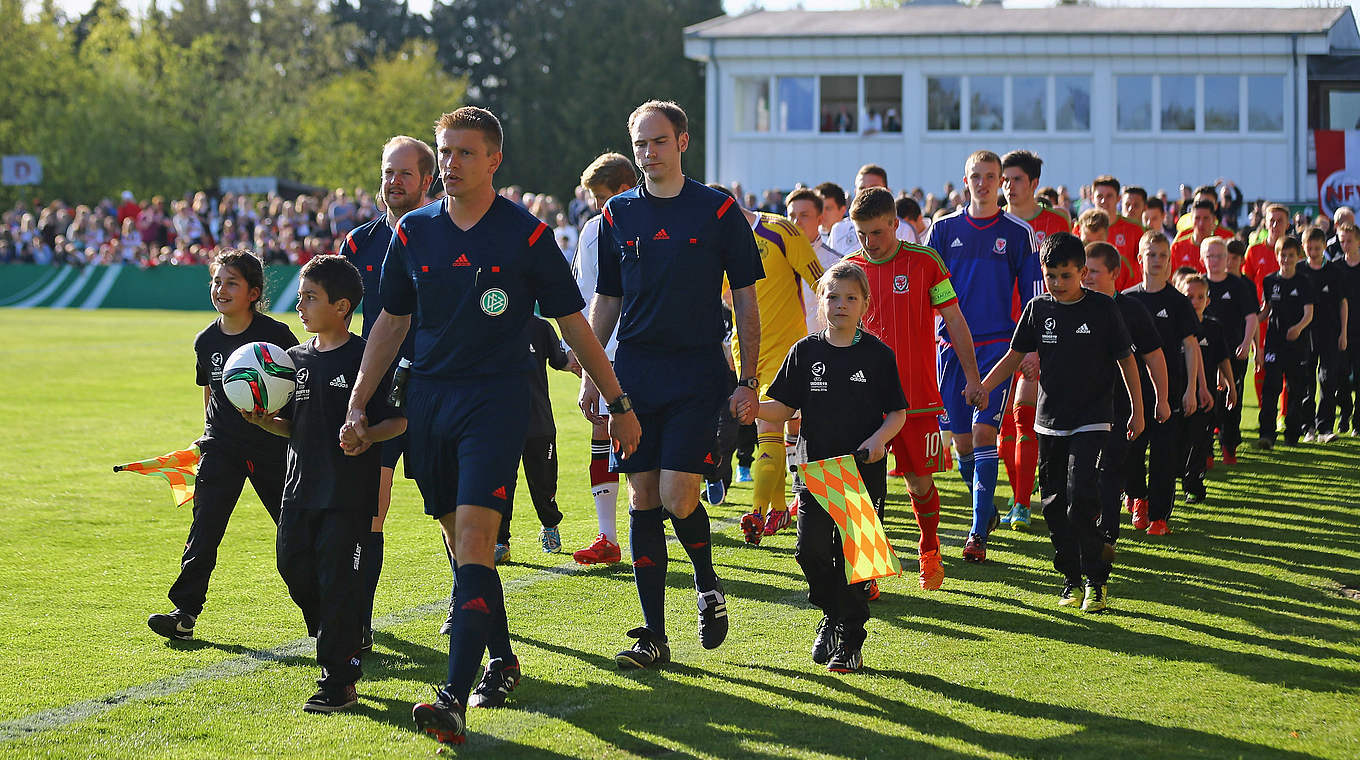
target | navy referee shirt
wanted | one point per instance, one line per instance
(473, 291)
(665, 257)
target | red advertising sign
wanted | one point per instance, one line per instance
(1338, 185)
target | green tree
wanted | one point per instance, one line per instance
(349, 118)
(563, 75)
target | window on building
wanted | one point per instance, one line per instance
(1265, 104)
(1222, 103)
(883, 100)
(1133, 94)
(1029, 99)
(1178, 103)
(753, 104)
(1072, 103)
(987, 104)
(795, 104)
(943, 100)
(840, 104)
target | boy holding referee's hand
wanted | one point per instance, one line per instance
(330, 492)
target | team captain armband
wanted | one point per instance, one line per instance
(942, 293)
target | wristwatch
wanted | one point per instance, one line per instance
(620, 405)
(750, 382)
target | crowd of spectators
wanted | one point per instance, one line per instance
(190, 230)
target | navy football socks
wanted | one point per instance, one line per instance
(647, 540)
(478, 605)
(696, 536)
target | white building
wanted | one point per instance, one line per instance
(1154, 96)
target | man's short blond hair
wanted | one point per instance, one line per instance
(474, 118)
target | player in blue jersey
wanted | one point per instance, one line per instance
(407, 171)
(987, 251)
(664, 249)
(472, 268)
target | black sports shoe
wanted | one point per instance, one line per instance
(497, 682)
(1194, 498)
(712, 617)
(331, 700)
(648, 650)
(845, 659)
(1072, 594)
(827, 640)
(176, 626)
(447, 628)
(445, 718)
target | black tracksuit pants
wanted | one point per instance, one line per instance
(1230, 420)
(540, 474)
(221, 476)
(1292, 371)
(1069, 485)
(1156, 459)
(820, 555)
(319, 556)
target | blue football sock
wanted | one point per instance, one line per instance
(985, 462)
(479, 603)
(966, 469)
(696, 536)
(647, 540)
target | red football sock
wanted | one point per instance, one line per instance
(1005, 447)
(1026, 454)
(927, 511)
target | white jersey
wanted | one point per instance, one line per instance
(586, 267)
(844, 241)
(827, 257)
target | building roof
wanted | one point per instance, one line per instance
(931, 20)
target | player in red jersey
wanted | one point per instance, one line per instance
(908, 284)
(1185, 252)
(1124, 232)
(1019, 444)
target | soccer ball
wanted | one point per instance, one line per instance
(259, 377)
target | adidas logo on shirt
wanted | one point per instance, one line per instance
(661, 235)
(462, 261)
(956, 244)
(339, 382)
(1227, 296)
(859, 377)
(1083, 330)
(1162, 314)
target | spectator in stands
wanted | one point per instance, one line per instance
(129, 208)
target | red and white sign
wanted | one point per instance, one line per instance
(1338, 184)
(25, 170)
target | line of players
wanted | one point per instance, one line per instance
(979, 267)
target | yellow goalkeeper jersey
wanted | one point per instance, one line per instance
(787, 258)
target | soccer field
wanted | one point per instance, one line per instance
(1229, 638)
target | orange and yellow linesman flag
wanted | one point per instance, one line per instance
(179, 468)
(837, 486)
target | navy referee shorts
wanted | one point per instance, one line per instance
(676, 396)
(465, 438)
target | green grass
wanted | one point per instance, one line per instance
(1228, 638)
